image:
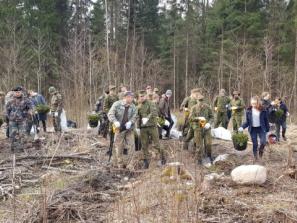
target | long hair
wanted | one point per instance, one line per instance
(259, 105)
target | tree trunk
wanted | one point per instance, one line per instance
(220, 70)
(127, 41)
(107, 43)
(187, 65)
(174, 72)
(294, 92)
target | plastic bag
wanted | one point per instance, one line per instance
(64, 121)
(221, 133)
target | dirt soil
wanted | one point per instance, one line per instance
(67, 178)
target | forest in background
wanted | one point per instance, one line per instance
(82, 46)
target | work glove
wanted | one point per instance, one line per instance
(128, 125)
(56, 114)
(207, 126)
(117, 124)
(240, 129)
(288, 114)
(144, 121)
(216, 109)
(234, 107)
(167, 123)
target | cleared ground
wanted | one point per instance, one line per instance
(67, 179)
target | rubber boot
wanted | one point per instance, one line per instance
(163, 161)
(186, 146)
(261, 151)
(256, 158)
(284, 134)
(146, 164)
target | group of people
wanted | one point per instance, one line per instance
(260, 115)
(20, 111)
(121, 112)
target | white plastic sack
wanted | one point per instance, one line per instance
(175, 134)
(174, 120)
(222, 157)
(64, 121)
(249, 174)
(33, 130)
(221, 133)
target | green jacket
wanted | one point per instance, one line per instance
(191, 103)
(148, 110)
(185, 103)
(188, 102)
(108, 102)
(201, 109)
(239, 103)
(222, 103)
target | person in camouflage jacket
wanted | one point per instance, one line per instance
(237, 107)
(186, 106)
(201, 117)
(110, 99)
(56, 108)
(221, 105)
(18, 111)
(147, 122)
(189, 103)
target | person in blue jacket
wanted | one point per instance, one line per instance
(258, 126)
(38, 99)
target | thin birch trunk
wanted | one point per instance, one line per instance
(107, 43)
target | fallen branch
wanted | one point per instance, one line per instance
(61, 170)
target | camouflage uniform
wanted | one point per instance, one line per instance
(237, 106)
(108, 102)
(186, 105)
(18, 112)
(123, 153)
(149, 130)
(189, 102)
(202, 136)
(110, 99)
(221, 103)
(156, 96)
(104, 124)
(56, 108)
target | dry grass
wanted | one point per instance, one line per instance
(159, 200)
(73, 193)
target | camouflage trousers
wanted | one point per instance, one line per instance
(188, 138)
(221, 119)
(17, 135)
(203, 142)
(57, 122)
(124, 149)
(186, 127)
(236, 121)
(147, 135)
